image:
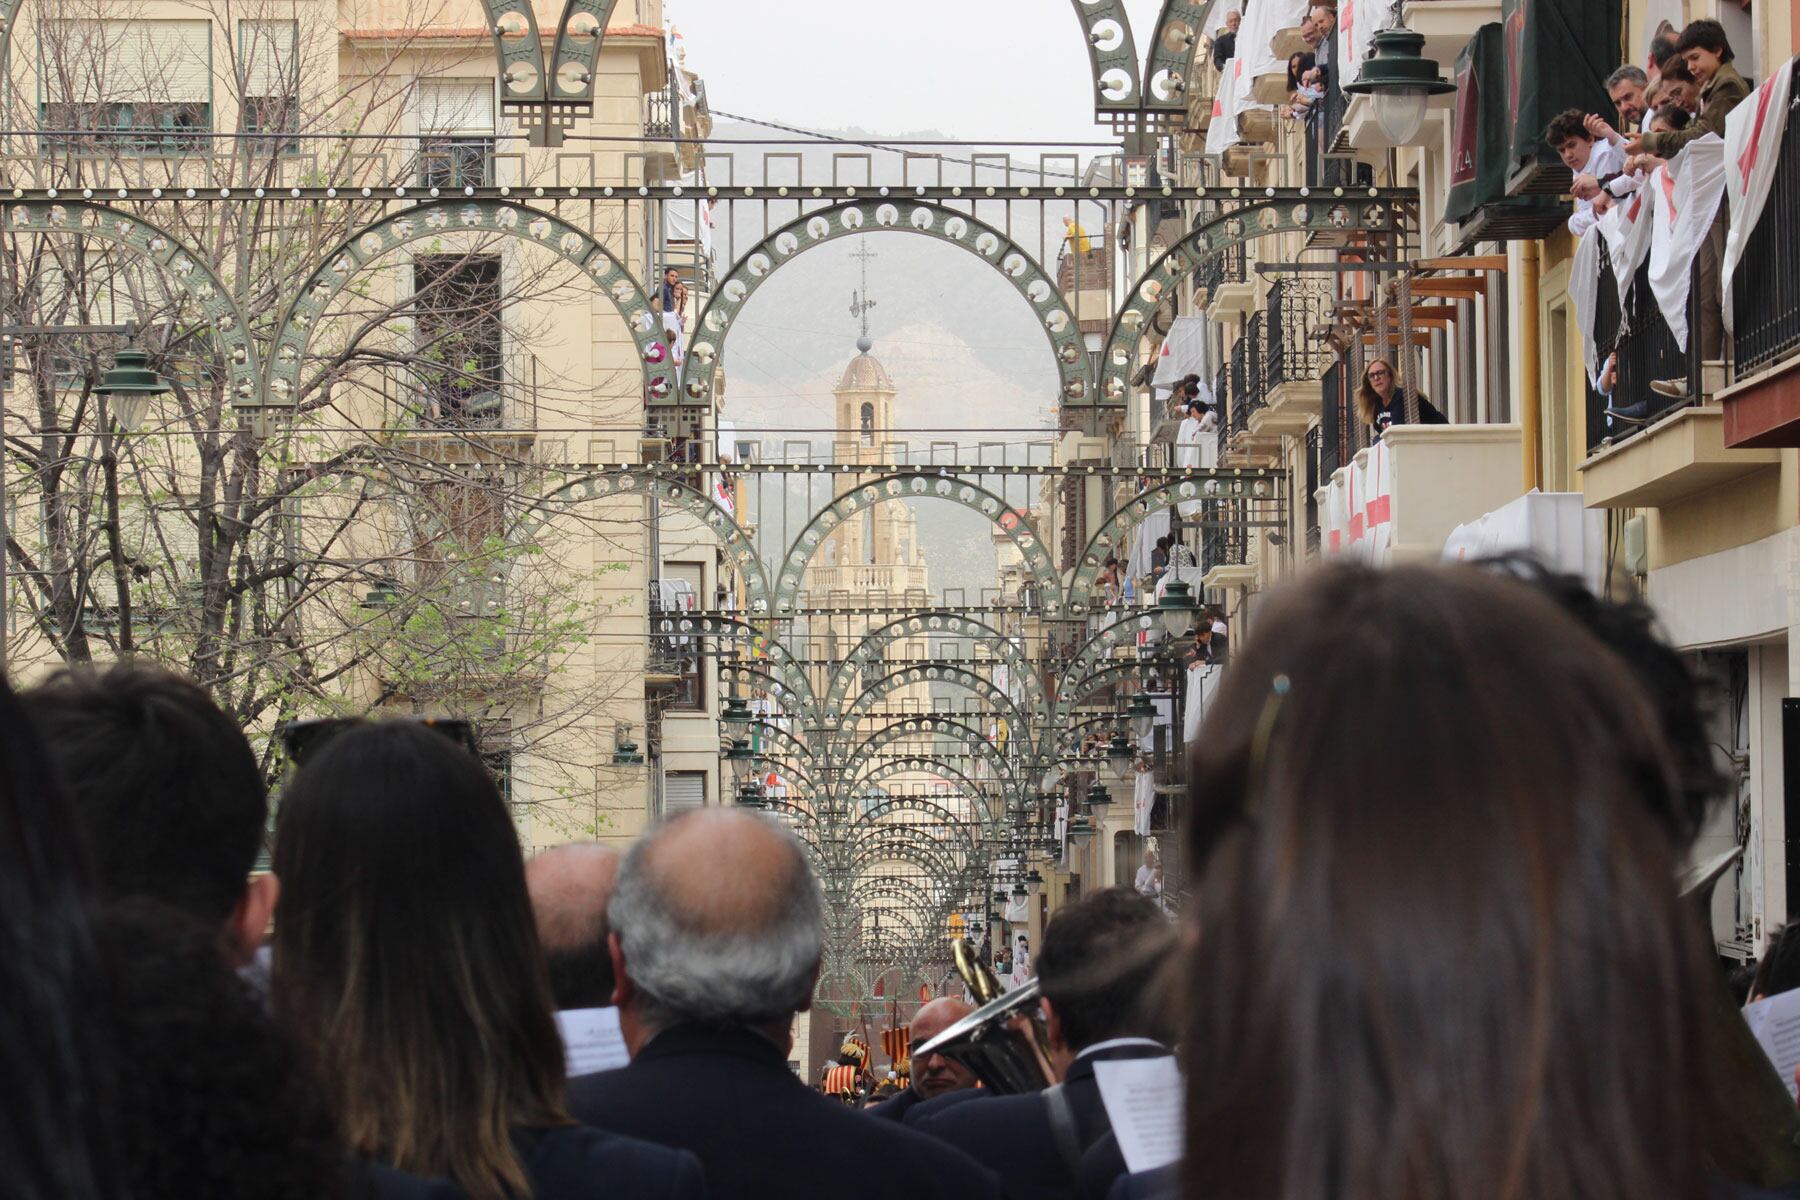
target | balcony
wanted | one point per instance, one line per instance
(1447, 25)
(1401, 499)
(1294, 360)
(1222, 286)
(453, 163)
(1647, 450)
(1762, 405)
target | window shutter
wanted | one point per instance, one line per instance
(269, 57)
(683, 791)
(455, 105)
(120, 62)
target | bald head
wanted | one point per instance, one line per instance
(718, 921)
(934, 1075)
(570, 887)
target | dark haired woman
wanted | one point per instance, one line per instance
(1458, 968)
(1382, 403)
(56, 1136)
(407, 959)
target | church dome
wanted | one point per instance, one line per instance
(865, 374)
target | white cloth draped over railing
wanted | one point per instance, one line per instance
(1753, 134)
(1665, 221)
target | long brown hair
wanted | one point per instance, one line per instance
(1441, 953)
(1368, 400)
(407, 959)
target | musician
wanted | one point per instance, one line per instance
(933, 1075)
(1097, 960)
(717, 929)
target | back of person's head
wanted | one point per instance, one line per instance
(1441, 952)
(1779, 969)
(1705, 34)
(570, 887)
(719, 922)
(1628, 628)
(215, 1101)
(1662, 51)
(164, 788)
(56, 1139)
(407, 959)
(1096, 962)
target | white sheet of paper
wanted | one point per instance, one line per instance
(591, 1040)
(1143, 1101)
(1775, 1022)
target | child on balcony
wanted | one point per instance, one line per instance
(1588, 159)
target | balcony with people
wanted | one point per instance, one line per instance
(1667, 235)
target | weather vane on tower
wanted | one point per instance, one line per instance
(860, 304)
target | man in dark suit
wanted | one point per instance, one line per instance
(934, 1075)
(1098, 958)
(717, 927)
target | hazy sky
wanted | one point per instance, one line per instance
(979, 70)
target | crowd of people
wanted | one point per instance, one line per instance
(1683, 94)
(1451, 969)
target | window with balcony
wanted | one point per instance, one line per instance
(456, 132)
(126, 86)
(269, 70)
(456, 318)
(673, 653)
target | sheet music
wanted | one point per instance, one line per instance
(1775, 1023)
(591, 1040)
(1144, 1103)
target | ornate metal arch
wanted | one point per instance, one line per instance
(676, 494)
(1112, 55)
(930, 766)
(1092, 655)
(184, 270)
(1212, 485)
(874, 216)
(436, 219)
(1124, 85)
(937, 623)
(984, 750)
(929, 673)
(1256, 217)
(918, 485)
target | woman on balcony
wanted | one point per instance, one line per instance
(1382, 402)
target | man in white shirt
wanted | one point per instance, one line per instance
(1584, 155)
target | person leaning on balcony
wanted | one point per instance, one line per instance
(1225, 45)
(1626, 87)
(1590, 160)
(1382, 403)
(1706, 52)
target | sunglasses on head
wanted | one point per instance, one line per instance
(303, 739)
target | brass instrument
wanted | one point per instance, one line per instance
(1004, 1041)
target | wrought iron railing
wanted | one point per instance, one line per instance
(1765, 289)
(1335, 426)
(1248, 381)
(1636, 341)
(1296, 309)
(1222, 402)
(662, 114)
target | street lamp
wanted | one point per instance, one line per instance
(128, 387)
(625, 751)
(1401, 80)
(742, 760)
(1177, 608)
(750, 795)
(1141, 712)
(737, 711)
(1119, 753)
(1098, 801)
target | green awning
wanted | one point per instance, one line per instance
(1558, 55)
